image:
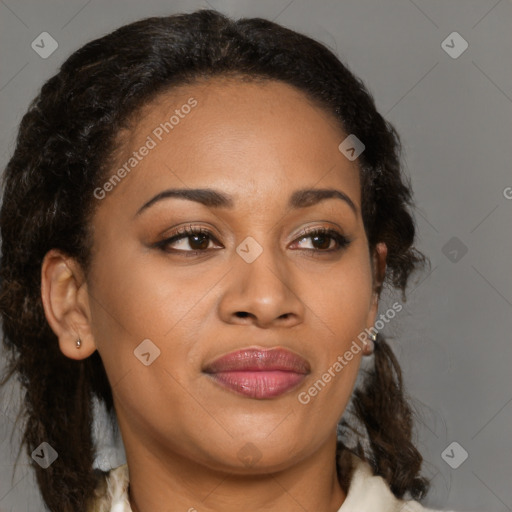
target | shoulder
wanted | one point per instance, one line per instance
(370, 493)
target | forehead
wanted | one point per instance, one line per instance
(237, 135)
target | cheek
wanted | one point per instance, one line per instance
(342, 301)
(138, 311)
(341, 297)
(142, 295)
(137, 298)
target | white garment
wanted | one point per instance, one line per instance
(366, 493)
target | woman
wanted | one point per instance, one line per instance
(198, 220)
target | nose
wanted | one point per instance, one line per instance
(263, 292)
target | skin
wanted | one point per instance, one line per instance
(258, 142)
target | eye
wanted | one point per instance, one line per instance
(197, 239)
(326, 240)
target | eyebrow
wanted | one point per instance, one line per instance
(211, 198)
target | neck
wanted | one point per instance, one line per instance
(156, 483)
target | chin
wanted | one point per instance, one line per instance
(258, 453)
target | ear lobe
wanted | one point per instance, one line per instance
(67, 315)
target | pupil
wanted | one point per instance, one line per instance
(202, 239)
(323, 239)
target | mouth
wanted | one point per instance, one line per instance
(259, 373)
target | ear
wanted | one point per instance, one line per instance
(66, 304)
(379, 270)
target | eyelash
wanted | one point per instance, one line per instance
(189, 231)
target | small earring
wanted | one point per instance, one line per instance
(78, 343)
(369, 345)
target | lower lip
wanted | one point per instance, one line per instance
(259, 384)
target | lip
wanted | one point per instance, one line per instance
(259, 373)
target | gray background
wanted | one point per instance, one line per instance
(455, 119)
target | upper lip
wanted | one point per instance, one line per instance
(259, 359)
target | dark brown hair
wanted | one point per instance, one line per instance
(62, 152)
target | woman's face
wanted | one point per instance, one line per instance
(162, 312)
